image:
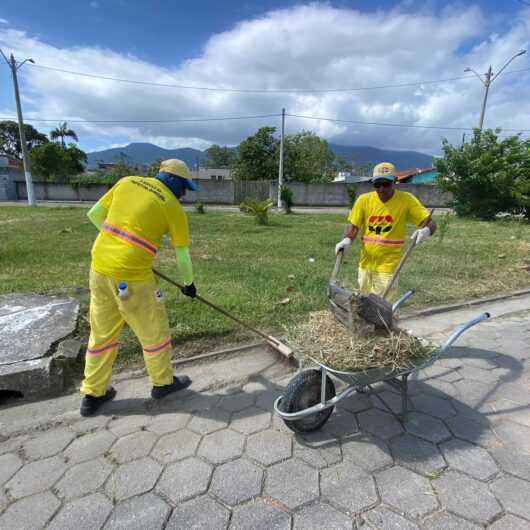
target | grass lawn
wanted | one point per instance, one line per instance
(250, 270)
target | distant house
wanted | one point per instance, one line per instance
(10, 163)
(214, 174)
(346, 177)
(424, 175)
(140, 169)
(11, 169)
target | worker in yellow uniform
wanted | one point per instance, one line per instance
(382, 216)
(132, 217)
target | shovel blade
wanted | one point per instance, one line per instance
(375, 310)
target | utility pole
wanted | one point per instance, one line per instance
(14, 67)
(487, 83)
(280, 171)
(489, 78)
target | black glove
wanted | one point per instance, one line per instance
(189, 290)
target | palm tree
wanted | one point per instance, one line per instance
(61, 132)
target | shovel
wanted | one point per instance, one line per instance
(372, 308)
(376, 309)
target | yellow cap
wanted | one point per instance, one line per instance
(176, 167)
(384, 170)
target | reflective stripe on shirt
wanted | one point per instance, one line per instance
(135, 240)
(383, 241)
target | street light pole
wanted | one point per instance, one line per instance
(489, 78)
(487, 84)
(280, 170)
(14, 67)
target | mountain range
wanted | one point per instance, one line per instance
(145, 153)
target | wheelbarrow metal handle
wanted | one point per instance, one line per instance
(396, 305)
(463, 328)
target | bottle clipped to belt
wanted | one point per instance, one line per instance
(123, 291)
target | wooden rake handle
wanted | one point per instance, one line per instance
(220, 310)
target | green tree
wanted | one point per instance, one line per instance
(53, 163)
(487, 175)
(341, 164)
(154, 168)
(10, 140)
(122, 168)
(220, 157)
(62, 132)
(308, 158)
(257, 156)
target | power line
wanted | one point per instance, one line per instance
(258, 116)
(251, 90)
(355, 122)
(183, 120)
(260, 90)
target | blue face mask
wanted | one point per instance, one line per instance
(177, 185)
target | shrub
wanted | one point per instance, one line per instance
(351, 189)
(286, 195)
(258, 209)
(487, 175)
(442, 225)
(199, 207)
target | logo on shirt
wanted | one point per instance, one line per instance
(380, 224)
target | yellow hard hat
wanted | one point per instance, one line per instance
(384, 171)
(176, 167)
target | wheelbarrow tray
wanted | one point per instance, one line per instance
(358, 381)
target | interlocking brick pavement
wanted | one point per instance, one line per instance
(221, 460)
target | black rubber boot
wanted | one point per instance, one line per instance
(179, 383)
(91, 404)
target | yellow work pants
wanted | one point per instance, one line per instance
(376, 282)
(144, 312)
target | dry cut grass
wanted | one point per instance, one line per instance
(322, 337)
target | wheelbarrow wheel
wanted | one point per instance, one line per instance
(303, 392)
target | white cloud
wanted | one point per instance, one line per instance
(314, 46)
(3, 21)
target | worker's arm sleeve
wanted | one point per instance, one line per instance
(178, 226)
(184, 264)
(417, 213)
(356, 216)
(97, 215)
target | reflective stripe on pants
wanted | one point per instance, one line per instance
(146, 316)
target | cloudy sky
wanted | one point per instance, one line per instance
(278, 54)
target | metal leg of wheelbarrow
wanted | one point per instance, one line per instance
(324, 373)
(402, 386)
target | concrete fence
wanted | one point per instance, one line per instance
(233, 192)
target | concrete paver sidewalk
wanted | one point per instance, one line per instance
(219, 459)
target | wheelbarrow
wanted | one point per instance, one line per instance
(310, 396)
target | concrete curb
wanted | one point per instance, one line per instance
(141, 372)
(460, 305)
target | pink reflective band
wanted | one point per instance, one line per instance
(130, 238)
(102, 349)
(152, 350)
(383, 241)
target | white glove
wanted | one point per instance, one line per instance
(342, 245)
(422, 234)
